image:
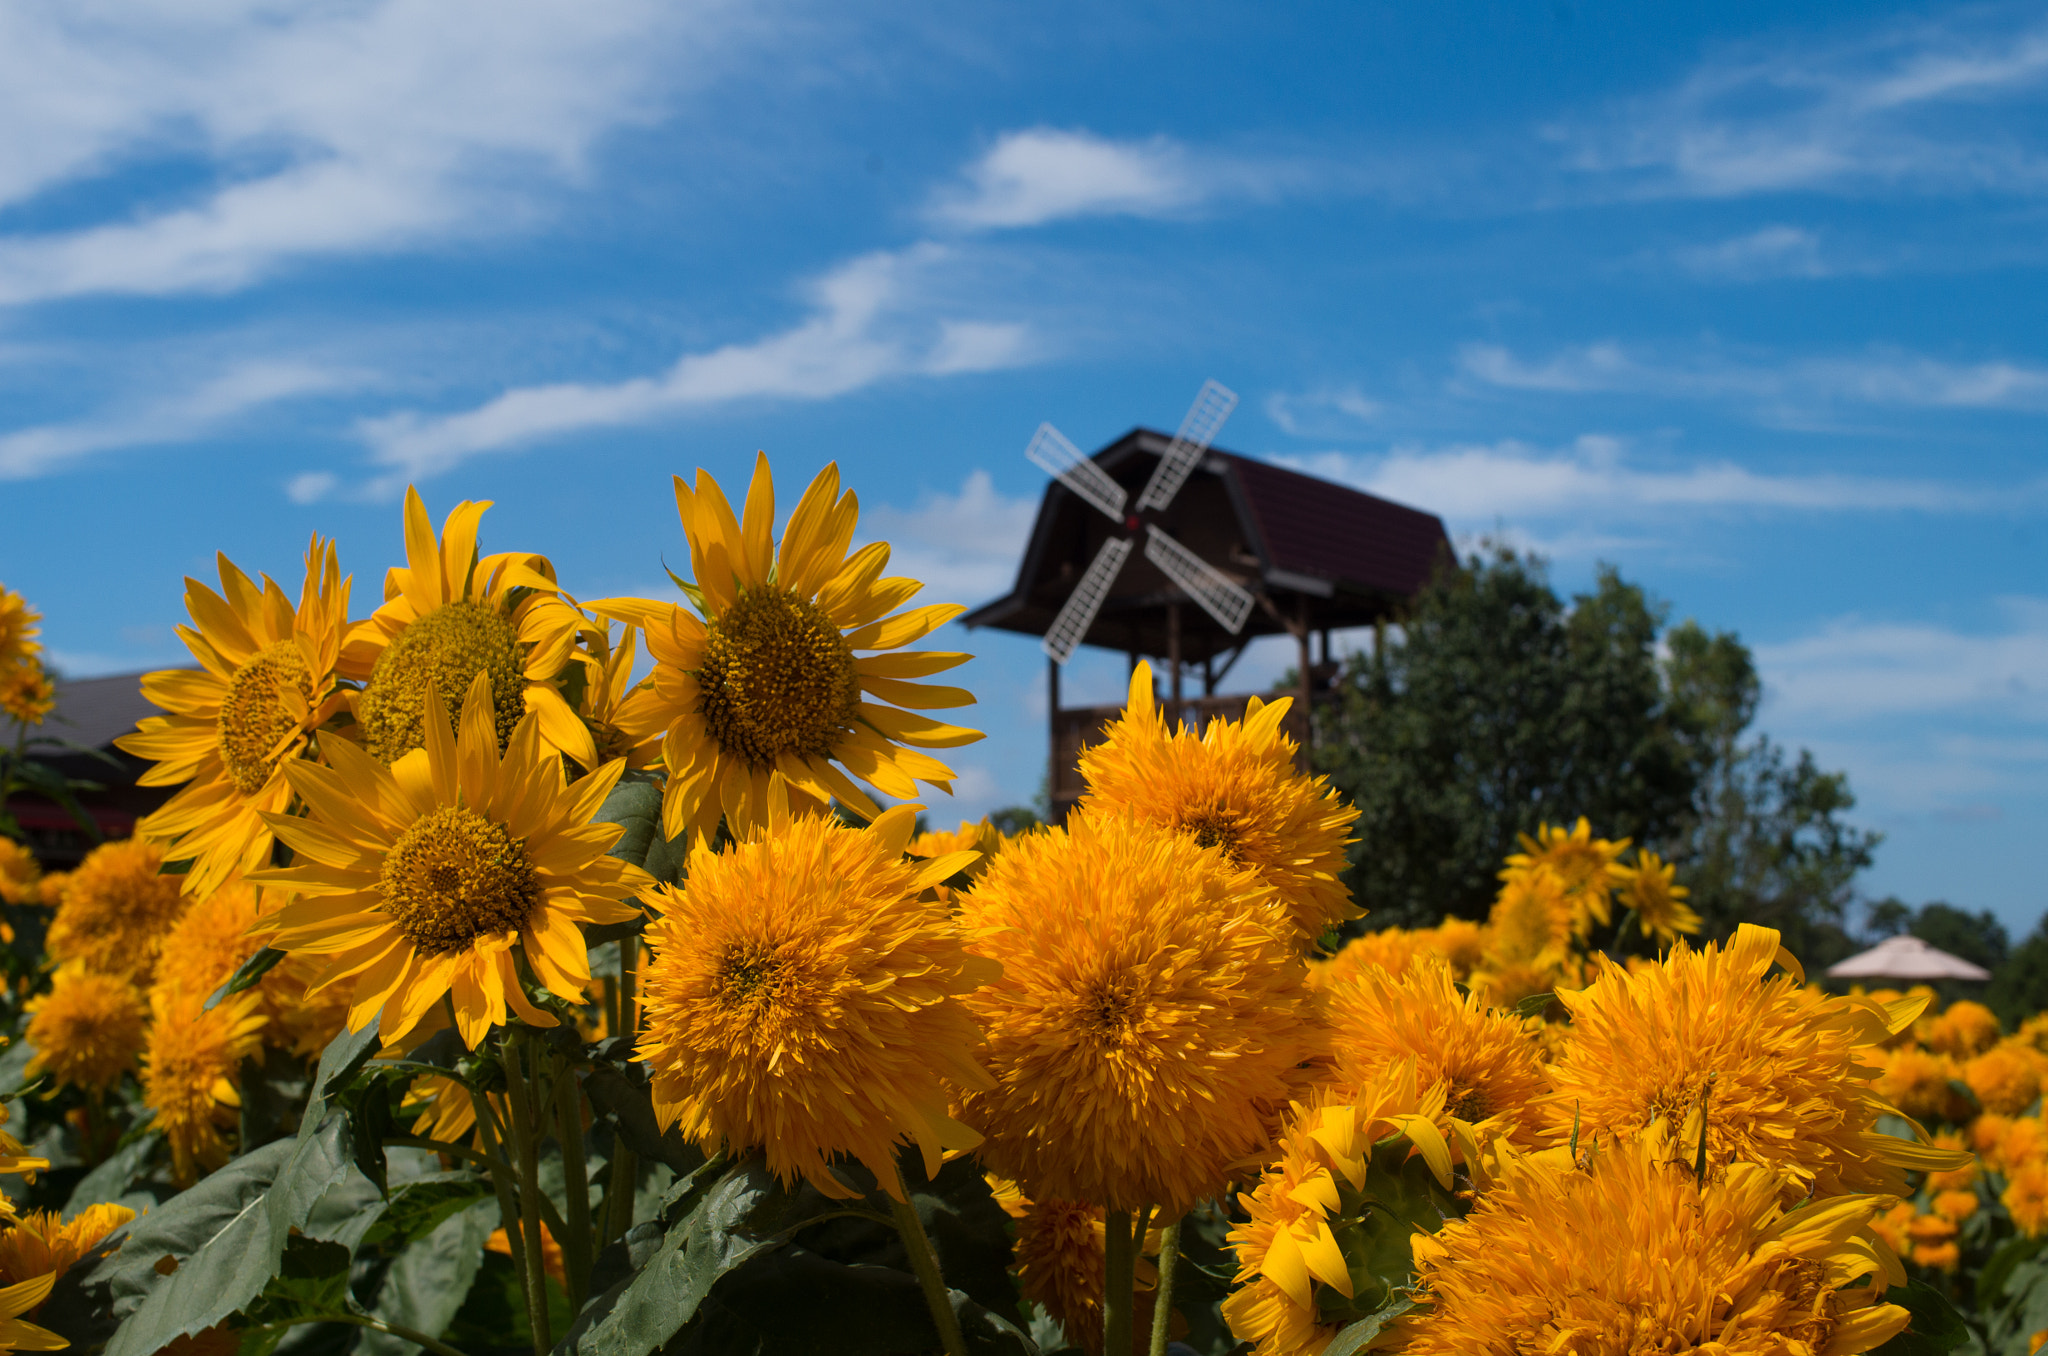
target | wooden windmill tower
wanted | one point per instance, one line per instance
(1232, 549)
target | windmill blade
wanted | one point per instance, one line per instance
(1079, 614)
(1052, 453)
(1217, 592)
(1213, 404)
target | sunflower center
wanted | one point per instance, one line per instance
(454, 877)
(1109, 1011)
(777, 678)
(1468, 1104)
(446, 649)
(1213, 828)
(748, 975)
(254, 719)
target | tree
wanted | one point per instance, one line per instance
(1496, 707)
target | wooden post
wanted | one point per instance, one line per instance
(1052, 721)
(1173, 653)
(1301, 633)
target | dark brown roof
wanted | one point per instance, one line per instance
(93, 712)
(1312, 549)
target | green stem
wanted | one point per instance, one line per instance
(576, 1245)
(494, 1159)
(439, 1146)
(1162, 1299)
(520, 1100)
(625, 1173)
(926, 1264)
(398, 1330)
(1119, 1281)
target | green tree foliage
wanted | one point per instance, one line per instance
(1497, 706)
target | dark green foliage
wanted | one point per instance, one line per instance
(1497, 707)
(1936, 1328)
(2019, 988)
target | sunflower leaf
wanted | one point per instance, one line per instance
(1356, 1336)
(427, 1283)
(1936, 1328)
(635, 805)
(247, 975)
(344, 1055)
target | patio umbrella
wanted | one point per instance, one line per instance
(1906, 957)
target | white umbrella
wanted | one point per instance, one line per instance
(1906, 957)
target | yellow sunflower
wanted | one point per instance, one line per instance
(16, 1300)
(19, 873)
(770, 685)
(266, 682)
(1151, 1017)
(1059, 1257)
(451, 616)
(27, 692)
(14, 1157)
(1632, 1253)
(1235, 786)
(2006, 1080)
(117, 909)
(1779, 1072)
(1492, 1077)
(420, 879)
(1659, 905)
(20, 625)
(1965, 1029)
(802, 998)
(1580, 862)
(2026, 1197)
(607, 682)
(190, 1072)
(43, 1243)
(1918, 1081)
(218, 933)
(87, 1029)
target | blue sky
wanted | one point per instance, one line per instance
(1744, 298)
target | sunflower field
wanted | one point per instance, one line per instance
(512, 972)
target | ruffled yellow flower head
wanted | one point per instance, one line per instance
(1234, 786)
(266, 681)
(27, 692)
(420, 879)
(1780, 1073)
(1487, 1064)
(43, 1243)
(1964, 1029)
(2006, 1078)
(1295, 1283)
(803, 999)
(1647, 888)
(451, 616)
(116, 911)
(766, 683)
(87, 1029)
(189, 1073)
(1631, 1253)
(1150, 1019)
(19, 872)
(1580, 862)
(20, 625)
(213, 939)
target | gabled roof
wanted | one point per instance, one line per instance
(1317, 552)
(93, 712)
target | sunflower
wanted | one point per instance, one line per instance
(1918, 1082)
(1957, 1205)
(451, 616)
(266, 682)
(1150, 1018)
(2026, 1197)
(26, 691)
(1059, 1256)
(1581, 863)
(1632, 1253)
(551, 1259)
(1489, 1068)
(189, 1073)
(19, 873)
(1778, 1072)
(20, 625)
(1295, 1287)
(1383, 951)
(117, 909)
(1965, 1029)
(222, 930)
(43, 1243)
(2023, 1140)
(15, 1158)
(802, 998)
(2006, 1080)
(607, 682)
(422, 877)
(768, 685)
(22, 1298)
(1658, 904)
(1235, 786)
(86, 1029)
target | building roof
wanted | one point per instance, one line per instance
(1906, 957)
(93, 712)
(1319, 553)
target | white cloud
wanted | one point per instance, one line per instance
(325, 128)
(207, 408)
(1045, 174)
(1853, 670)
(1772, 252)
(1880, 378)
(964, 546)
(871, 322)
(1920, 106)
(1479, 484)
(1330, 411)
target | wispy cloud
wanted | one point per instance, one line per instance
(1046, 174)
(1881, 378)
(872, 320)
(1771, 252)
(1920, 106)
(327, 128)
(1478, 484)
(965, 546)
(210, 407)
(1854, 670)
(1326, 412)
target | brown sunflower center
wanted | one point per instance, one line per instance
(254, 719)
(455, 876)
(1213, 828)
(777, 678)
(748, 975)
(1468, 1104)
(446, 649)
(1109, 1010)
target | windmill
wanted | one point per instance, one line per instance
(1218, 594)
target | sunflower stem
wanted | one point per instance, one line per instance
(926, 1264)
(495, 1160)
(1162, 1299)
(519, 1100)
(1119, 1281)
(625, 1173)
(576, 1245)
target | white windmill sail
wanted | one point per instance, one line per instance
(1052, 453)
(1219, 595)
(1078, 615)
(1213, 404)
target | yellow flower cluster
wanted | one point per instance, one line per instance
(26, 691)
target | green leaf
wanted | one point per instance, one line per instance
(625, 1098)
(312, 1278)
(14, 1066)
(344, 1055)
(635, 805)
(1936, 1328)
(1357, 1336)
(1999, 1269)
(207, 1252)
(112, 1178)
(419, 1207)
(247, 975)
(427, 1282)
